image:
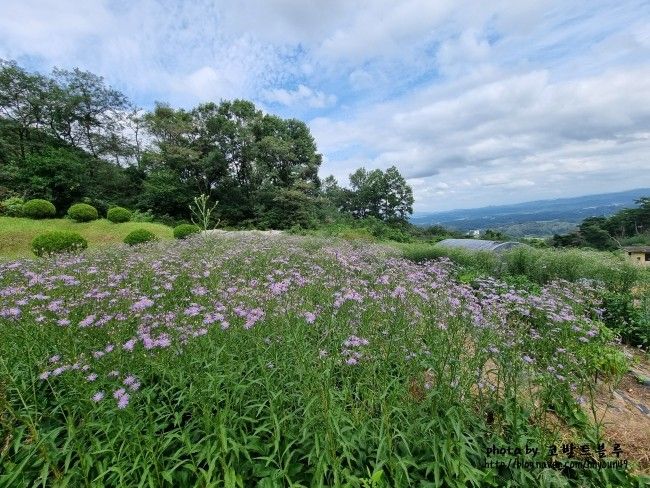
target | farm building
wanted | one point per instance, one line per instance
(478, 244)
(639, 255)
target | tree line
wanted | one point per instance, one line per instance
(627, 227)
(69, 137)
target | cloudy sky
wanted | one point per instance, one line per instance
(477, 103)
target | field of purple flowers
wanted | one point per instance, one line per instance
(286, 361)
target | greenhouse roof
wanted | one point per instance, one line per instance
(478, 244)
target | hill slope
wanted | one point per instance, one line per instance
(16, 234)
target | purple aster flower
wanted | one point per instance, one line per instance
(200, 290)
(163, 341)
(58, 371)
(88, 321)
(141, 304)
(91, 377)
(123, 401)
(98, 397)
(10, 312)
(310, 317)
(193, 310)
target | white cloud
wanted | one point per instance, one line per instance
(522, 131)
(301, 95)
(476, 102)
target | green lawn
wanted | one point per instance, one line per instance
(16, 234)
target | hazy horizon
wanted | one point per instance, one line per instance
(523, 202)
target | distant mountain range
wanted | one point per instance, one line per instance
(533, 219)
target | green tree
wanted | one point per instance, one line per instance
(234, 153)
(22, 100)
(86, 113)
(384, 195)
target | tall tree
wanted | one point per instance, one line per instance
(23, 97)
(235, 153)
(87, 113)
(384, 195)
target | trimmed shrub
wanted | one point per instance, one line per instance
(58, 241)
(139, 236)
(82, 212)
(118, 215)
(12, 207)
(39, 209)
(184, 230)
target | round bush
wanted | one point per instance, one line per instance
(12, 207)
(118, 215)
(139, 236)
(184, 230)
(39, 209)
(82, 212)
(58, 241)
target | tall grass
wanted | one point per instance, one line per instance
(268, 362)
(538, 265)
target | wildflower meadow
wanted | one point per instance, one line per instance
(289, 361)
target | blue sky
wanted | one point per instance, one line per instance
(477, 103)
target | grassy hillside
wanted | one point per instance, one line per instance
(16, 234)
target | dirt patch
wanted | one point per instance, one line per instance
(624, 413)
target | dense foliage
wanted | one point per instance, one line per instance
(139, 236)
(185, 230)
(57, 242)
(12, 207)
(82, 212)
(118, 215)
(245, 361)
(70, 137)
(38, 208)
